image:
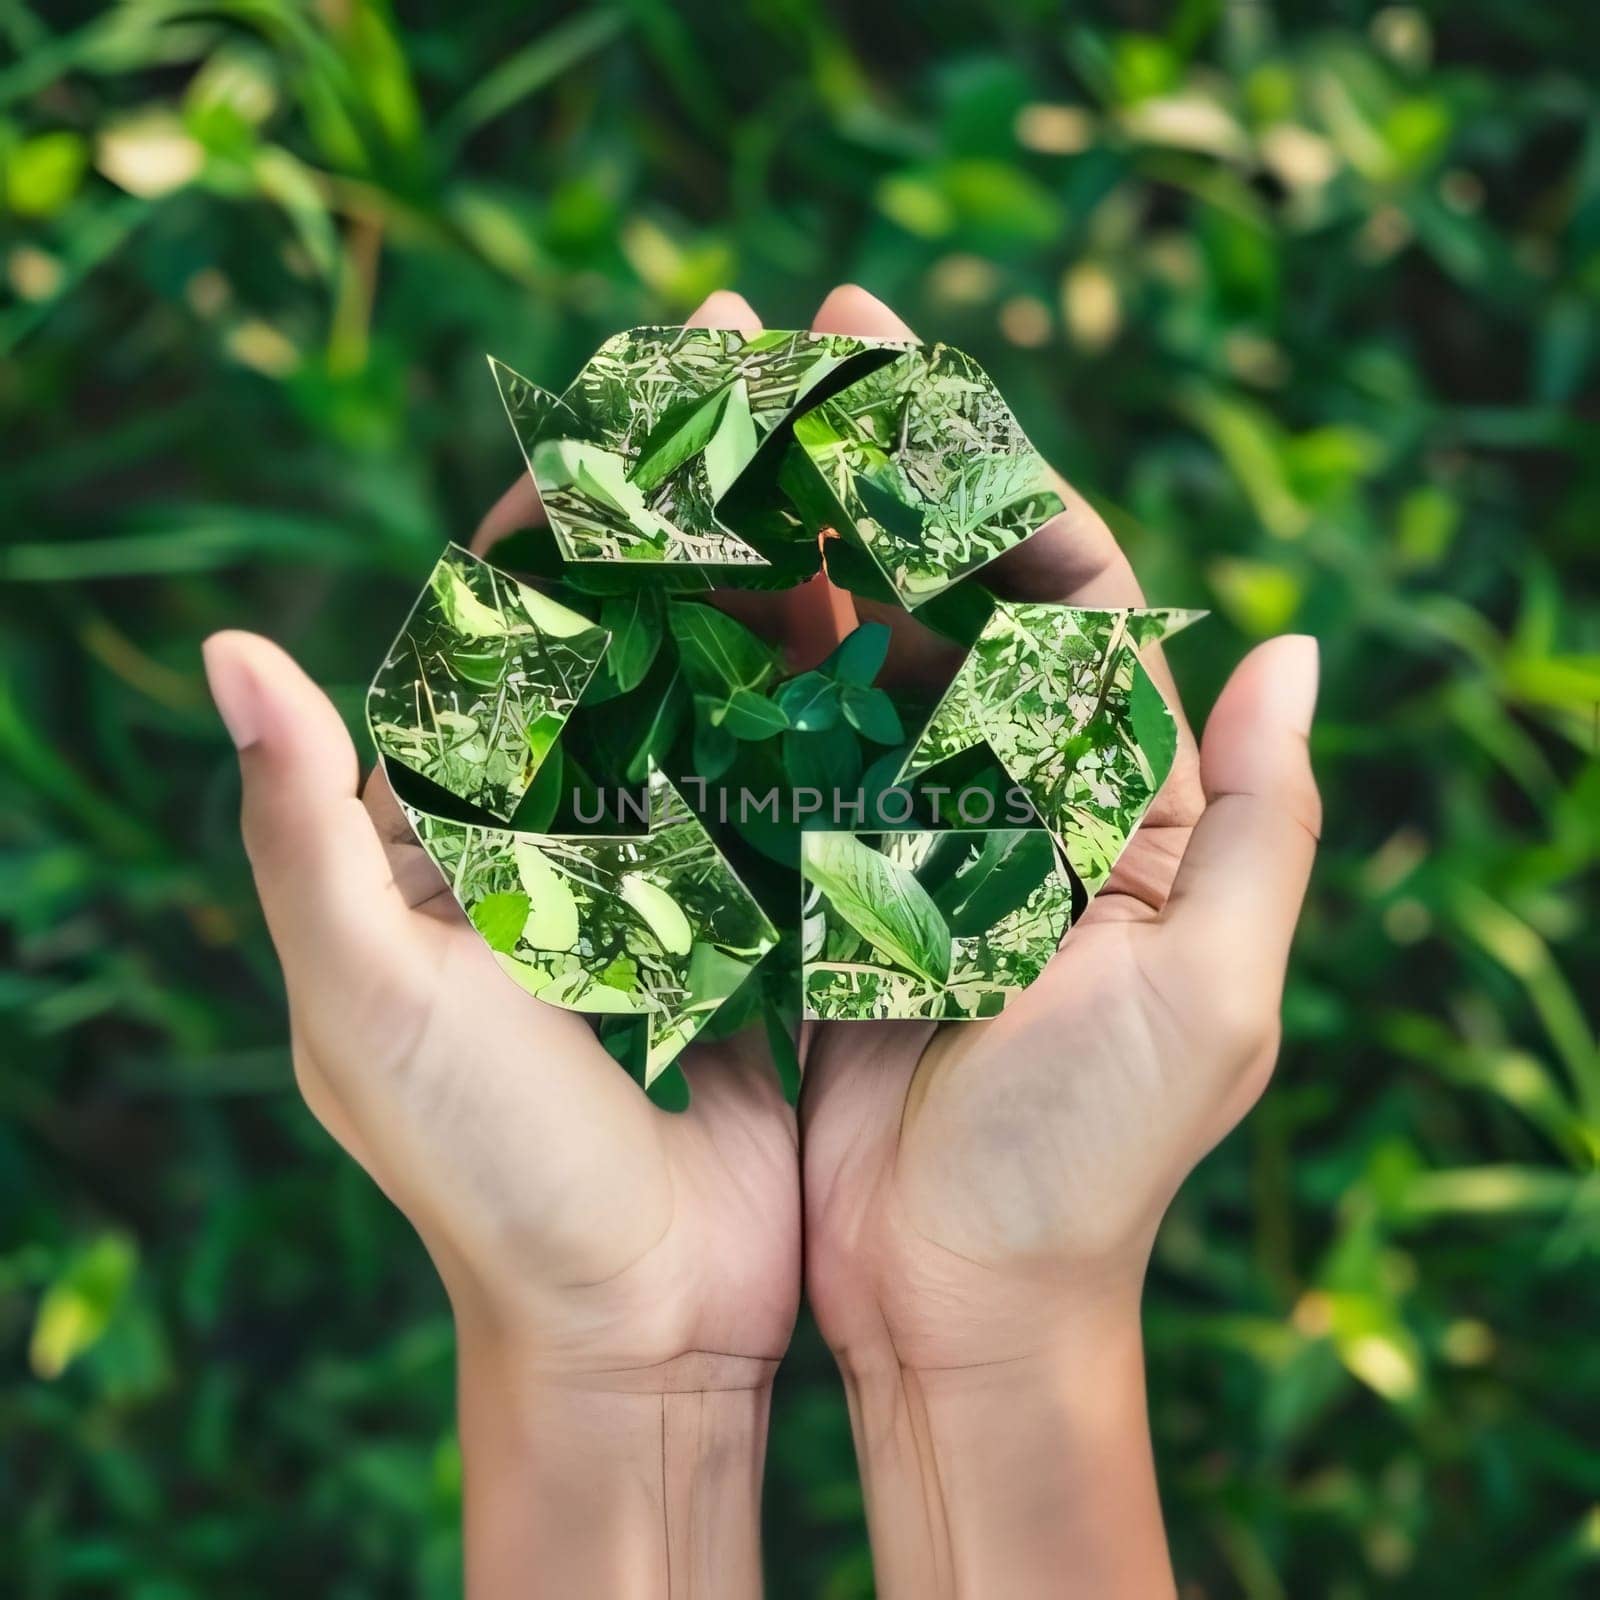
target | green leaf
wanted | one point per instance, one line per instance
(1154, 729)
(785, 1056)
(900, 520)
(576, 990)
(828, 761)
(660, 731)
(714, 976)
(959, 612)
(464, 613)
(731, 447)
(482, 665)
(719, 655)
(871, 712)
(881, 777)
(748, 715)
(635, 624)
(669, 1089)
(626, 1040)
(948, 853)
(38, 176)
(607, 579)
(551, 921)
(659, 911)
(514, 76)
(859, 656)
(714, 746)
(811, 702)
(1007, 866)
(538, 807)
(682, 433)
(80, 1305)
(558, 621)
(882, 901)
(499, 918)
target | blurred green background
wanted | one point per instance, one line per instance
(1306, 296)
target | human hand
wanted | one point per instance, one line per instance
(981, 1200)
(624, 1280)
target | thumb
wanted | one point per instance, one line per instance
(320, 870)
(1239, 888)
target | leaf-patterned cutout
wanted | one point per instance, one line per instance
(534, 413)
(951, 728)
(881, 901)
(909, 454)
(649, 397)
(1055, 692)
(1004, 889)
(1062, 700)
(1033, 629)
(595, 513)
(478, 685)
(927, 469)
(655, 924)
(914, 454)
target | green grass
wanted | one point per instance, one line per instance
(1305, 296)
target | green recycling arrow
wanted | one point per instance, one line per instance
(471, 698)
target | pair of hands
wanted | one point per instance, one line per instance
(976, 1203)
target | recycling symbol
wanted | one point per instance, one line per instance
(545, 731)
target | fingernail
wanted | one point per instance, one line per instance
(233, 689)
(1299, 667)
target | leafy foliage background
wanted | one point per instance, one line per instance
(1305, 294)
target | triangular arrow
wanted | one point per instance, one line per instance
(921, 463)
(656, 924)
(633, 460)
(1059, 695)
(471, 696)
(480, 681)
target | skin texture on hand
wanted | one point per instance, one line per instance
(979, 1199)
(623, 1280)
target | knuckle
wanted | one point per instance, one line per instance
(1302, 798)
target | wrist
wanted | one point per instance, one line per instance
(627, 1483)
(1028, 1475)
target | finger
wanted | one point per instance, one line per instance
(320, 873)
(816, 618)
(324, 883)
(850, 309)
(722, 308)
(419, 881)
(1239, 890)
(518, 508)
